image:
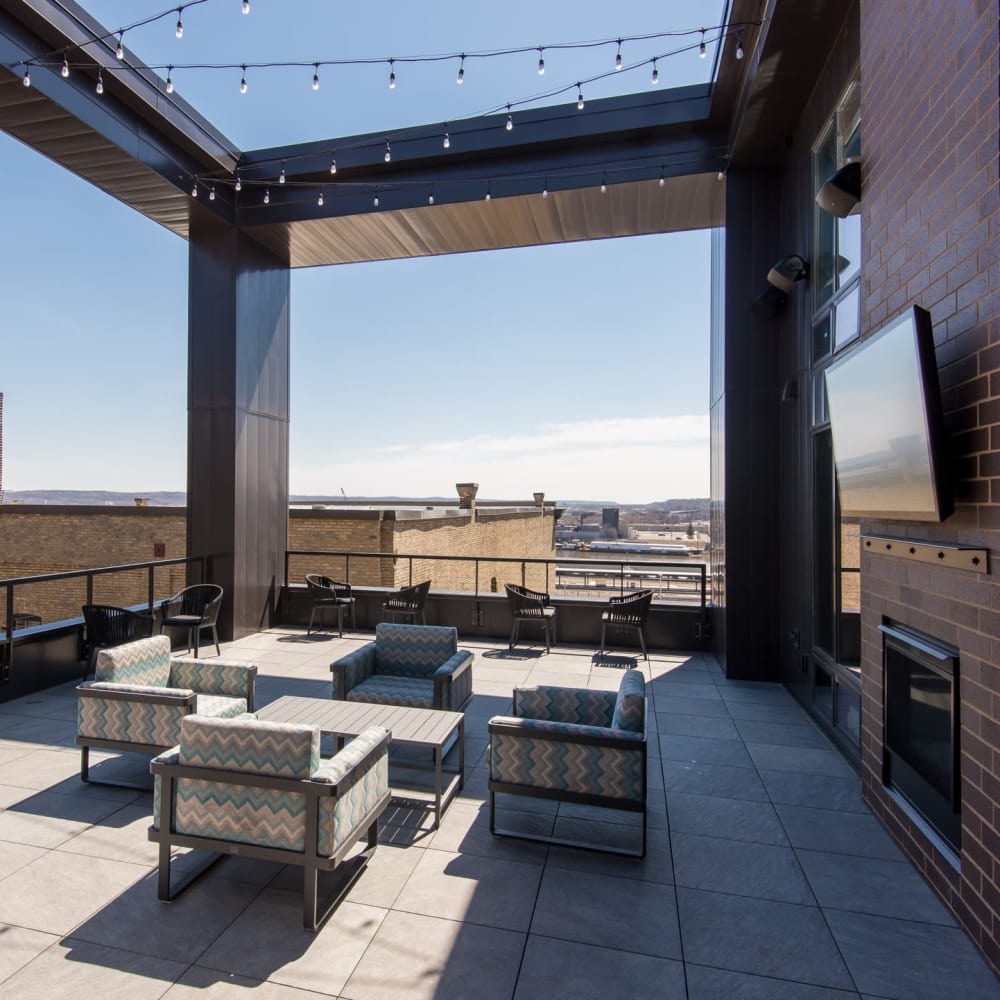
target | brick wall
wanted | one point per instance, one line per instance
(931, 227)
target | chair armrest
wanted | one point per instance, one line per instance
(350, 764)
(456, 664)
(350, 670)
(581, 706)
(113, 691)
(225, 677)
(453, 681)
(565, 732)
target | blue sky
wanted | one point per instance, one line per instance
(580, 370)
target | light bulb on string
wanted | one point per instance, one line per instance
(655, 78)
(662, 180)
(243, 81)
(375, 201)
(333, 165)
(541, 62)
(618, 57)
(211, 194)
(239, 184)
(702, 50)
(170, 82)
(446, 142)
(509, 126)
(99, 88)
(26, 79)
(461, 71)
(430, 197)
(739, 46)
(489, 194)
(316, 76)
(388, 152)
(579, 97)
(392, 75)
(545, 190)
(267, 196)
(319, 200)
(64, 72)
(721, 175)
(281, 176)
(179, 31)
(246, 6)
(604, 184)
(194, 189)
(120, 48)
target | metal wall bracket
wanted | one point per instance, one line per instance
(952, 556)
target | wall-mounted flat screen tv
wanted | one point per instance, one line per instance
(886, 417)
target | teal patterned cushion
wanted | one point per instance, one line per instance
(167, 757)
(218, 707)
(223, 677)
(538, 758)
(383, 689)
(145, 661)
(413, 650)
(580, 706)
(358, 665)
(630, 705)
(280, 748)
(131, 721)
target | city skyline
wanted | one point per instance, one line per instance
(550, 362)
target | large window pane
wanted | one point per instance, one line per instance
(845, 328)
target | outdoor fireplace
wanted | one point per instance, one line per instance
(920, 755)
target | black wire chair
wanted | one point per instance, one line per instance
(531, 606)
(108, 626)
(194, 608)
(407, 602)
(628, 613)
(325, 594)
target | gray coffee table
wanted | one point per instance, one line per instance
(417, 727)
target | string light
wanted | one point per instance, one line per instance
(243, 81)
(510, 121)
(194, 190)
(545, 190)
(267, 196)
(461, 71)
(702, 50)
(100, 82)
(541, 62)
(447, 141)
(316, 76)
(388, 152)
(430, 197)
(392, 75)
(64, 72)
(333, 165)
(239, 184)
(604, 184)
(281, 176)
(662, 180)
(211, 194)
(618, 57)
(739, 45)
(26, 79)
(579, 97)
(179, 32)
(170, 82)
(721, 175)
(375, 201)
(319, 200)
(655, 78)
(489, 194)
(246, 6)
(120, 48)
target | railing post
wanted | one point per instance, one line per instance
(90, 589)
(347, 568)
(150, 587)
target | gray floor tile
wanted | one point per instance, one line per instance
(773, 710)
(629, 915)
(803, 760)
(567, 969)
(122, 836)
(735, 866)
(696, 749)
(664, 689)
(48, 819)
(72, 968)
(19, 946)
(817, 790)
(767, 938)
(465, 829)
(715, 816)
(838, 832)
(657, 866)
(871, 885)
(905, 960)
(712, 779)
(207, 984)
(266, 941)
(425, 958)
(717, 728)
(784, 734)
(715, 984)
(41, 769)
(712, 707)
(14, 856)
(758, 692)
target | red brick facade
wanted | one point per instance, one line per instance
(931, 224)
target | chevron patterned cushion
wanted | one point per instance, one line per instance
(358, 665)
(223, 677)
(630, 705)
(413, 650)
(145, 661)
(131, 721)
(580, 706)
(280, 748)
(217, 707)
(170, 756)
(383, 689)
(540, 759)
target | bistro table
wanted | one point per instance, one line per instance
(417, 727)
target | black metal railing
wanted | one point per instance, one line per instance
(670, 581)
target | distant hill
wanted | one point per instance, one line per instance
(95, 498)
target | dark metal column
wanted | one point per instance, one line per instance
(238, 353)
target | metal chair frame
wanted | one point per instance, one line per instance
(108, 626)
(194, 609)
(531, 606)
(327, 593)
(408, 602)
(628, 612)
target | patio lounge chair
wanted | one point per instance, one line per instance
(628, 612)
(140, 695)
(407, 602)
(531, 606)
(194, 608)
(573, 745)
(327, 594)
(108, 626)
(260, 790)
(416, 665)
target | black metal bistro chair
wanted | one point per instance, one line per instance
(326, 594)
(628, 612)
(108, 626)
(531, 606)
(194, 608)
(407, 602)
